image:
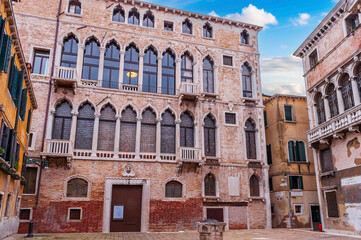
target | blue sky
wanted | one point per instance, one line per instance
(286, 25)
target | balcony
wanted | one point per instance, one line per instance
(354, 6)
(65, 77)
(346, 121)
(58, 148)
(189, 155)
(188, 91)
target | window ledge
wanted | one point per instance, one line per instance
(74, 221)
(290, 162)
(327, 174)
(211, 198)
(208, 38)
(206, 94)
(73, 15)
(254, 100)
(256, 198)
(24, 221)
(174, 200)
(245, 45)
(75, 199)
(288, 121)
(187, 34)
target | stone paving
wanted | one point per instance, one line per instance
(271, 234)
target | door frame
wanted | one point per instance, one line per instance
(108, 189)
(311, 205)
(225, 214)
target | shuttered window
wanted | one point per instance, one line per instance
(288, 113)
(346, 90)
(15, 81)
(106, 134)
(23, 105)
(332, 100)
(148, 132)
(209, 136)
(173, 189)
(269, 154)
(5, 48)
(296, 151)
(168, 133)
(70, 52)
(31, 177)
(320, 108)
(29, 121)
(251, 140)
(77, 187)
(254, 186)
(2, 128)
(209, 185)
(85, 127)
(265, 118)
(332, 205)
(168, 73)
(62, 121)
(128, 128)
(296, 182)
(326, 160)
(5, 142)
(186, 130)
(208, 75)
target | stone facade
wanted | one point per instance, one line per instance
(331, 60)
(102, 170)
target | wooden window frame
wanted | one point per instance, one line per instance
(168, 26)
(149, 19)
(91, 56)
(76, 199)
(44, 51)
(80, 118)
(36, 181)
(150, 73)
(247, 91)
(247, 133)
(332, 100)
(208, 192)
(75, 3)
(346, 91)
(210, 138)
(187, 27)
(185, 133)
(327, 211)
(166, 65)
(244, 37)
(163, 124)
(111, 83)
(63, 118)
(128, 81)
(207, 31)
(352, 24)
(125, 123)
(284, 113)
(313, 58)
(117, 12)
(326, 166)
(206, 71)
(299, 182)
(153, 125)
(186, 69)
(251, 187)
(135, 15)
(30, 215)
(320, 109)
(71, 53)
(2, 198)
(174, 197)
(75, 220)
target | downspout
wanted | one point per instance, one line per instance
(48, 100)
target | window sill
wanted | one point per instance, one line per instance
(174, 199)
(327, 174)
(245, 45)
(206, 94)
(256, 198)
(290, 162)
(289, 121)
(25, 221)
(210, 198)
(40, 75)
(253, 100)
(73, 15)
(207, 38)
(68, 199)
(29, 194)
(74, 221)
(187, 34)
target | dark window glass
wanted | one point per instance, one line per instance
(133, 17)
(168, 73)
(91, 60)
(148, 132)
(168, 26)
(296, 182)
(254, 186)
(106, 133)
(30, 176)
(28, 124)
(207, 30)
(332, 100)
(187, 27)
(247, 81)
(297, 151)
(168, 133)
(131, 66)
(352, 22)
(358, 78)
(62, 121)
(24, 214)
(69, 53)
(111, 66)
(208, 76)
(244, 37)
(313, 58)
(326, 160)
(332, 205)
(320, 108)
(227, 61)
(150, 71)
(77, 187)
(173, 189)
(251, 139)
(148, 20)
(186, 130)
(269, 154)
(230, 118)
(270, 184)
(40, 62)
(6, 138)
(74, 7)
(75, 214)
(187, 68)
(288, 113)
(7, 206)
(128, 128)
(85, 127)
(265, 118)
(30, 143)
(118, 14)
(209, 136)
(346, 90)
(209, 185)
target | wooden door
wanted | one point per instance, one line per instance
(316, 217)
(126, 208)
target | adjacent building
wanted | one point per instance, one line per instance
(294, 201)
(17, 102)
(332, 70)
(150, 118)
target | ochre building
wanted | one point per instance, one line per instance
(332, 69)
(17, 102)
(150, 118)
(293, 191)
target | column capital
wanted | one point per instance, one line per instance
(178, 121)
(118, 117)
(160, 57)
(97, 115)
(159, 120)
(122, 52)
(194, 63)
(178, 60)
(141, 55)
(74, 113)
(139, 118)
(195, 123)
(52, 111)
(81, 46)
(102, 49)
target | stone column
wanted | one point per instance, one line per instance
(159, 72)
(137, 137)
(195, 72)
(327, 108)
(79, 61)
(49, 126)
(356, 95)
(73, 127)
(218, 141)
(203, 152)
(95, 135)
(215, 77)
(59, 49)
(101, 66)
(117, 136)
(140, 76)
(341, 106)
(177, 136)
(158, 138)
(177, 75)
(196, 134)
(121, 69)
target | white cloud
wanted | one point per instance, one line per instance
(282, 75)
(252, 15)
(302, 19)
(213, 13)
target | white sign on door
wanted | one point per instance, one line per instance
(118, 212)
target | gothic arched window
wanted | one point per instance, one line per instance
(111, 66)
(148, 132)
(85, 127)
(247, 81)
(187, 68)
(210, 185)
(118, 14)
(332, 99)
(346, 90)
(133, 17)
(207, 30)
(320, 108)
(208, 75)
(244, 37)
(254, 186)
(251, 139)
(70, 52)
(148, 19)
(128, 129)
(106, 134)
(209, 136)
(168, 73)
(186, 130)
(168, 133)
(62, 121)
(77, 188)
(91, 60)
(150, 71)
(131, 65)
(187, 27)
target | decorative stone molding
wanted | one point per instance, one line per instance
(128, 170)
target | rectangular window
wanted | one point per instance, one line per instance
(31, 178)
(15, 81)
(296, 182)
(326, 160)
(332, 205)
(5, 51)
(265, 118)
(230, 118)
(270, 184)
(40, 62)
(272, 209)
(269, 154)
(23, 104)
(168, 26)
(313, 58)
(25, 214)
(288, 113)
(7, 206)
(227, 61)
(74, 214)
(31, 140)
(1, 203)
(5, 142)
(352, 22)
(298, 209)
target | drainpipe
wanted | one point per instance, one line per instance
(48, 100)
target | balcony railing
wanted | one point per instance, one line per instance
(58, 148)
(188, 88)
(130, 88)
(344, 121)
(65, 76)
(187, 154)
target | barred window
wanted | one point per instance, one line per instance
(128, 129)
(187, 68)
(62, 121)
(85, 127)
(133, 17)
(209, 136)
(118, 14)
(186, 130)
(247, 81)
(150, 71)
(173, 189)
(106, 134)
(230, 118)
(210, 185)
(111, 66)
(251, 139)
(168, 73)
(131, 65)
(148, 132)
(346, 90)
(320, 108)
(77, 188)
(74, 214)
(148, 20)
(91, 60)
(70, 52)
(254, 186)
(208, 75)
(168, 133)
(332, 99)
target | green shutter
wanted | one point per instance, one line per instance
(301, 151)
(24, 101)
(288, 113)
(20, 78)
(4, 45)
(290, 182)
(7, 56)
(12, 69)
(2, 26)
(297, 152)
(300, 182)
(29, 122)
(290, 152)
(265, 118)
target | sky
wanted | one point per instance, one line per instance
(286, 25)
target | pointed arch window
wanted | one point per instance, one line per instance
(358, 78)
(244, 37)
(128, 129)
(62, 121)
(168, 73)
(150, 71)
(207, 30)
(91, 60)
(168, 133)
(85, 127)
(332, 100)
(77, 188)
(208, 75)
(320, 108)
(254, 186)
(296, 151)
(148, 132)
(187, 68)
(148, 19)
(111, 66)
(210, 185)
(209, 136)
(131, 66)
(187, 27)
(247, 81)
(186, 130)
(118, 14)
(346, 90)
(74, 7)
(106, 132)
(251, 139)
(133, 17)
(69, 53)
